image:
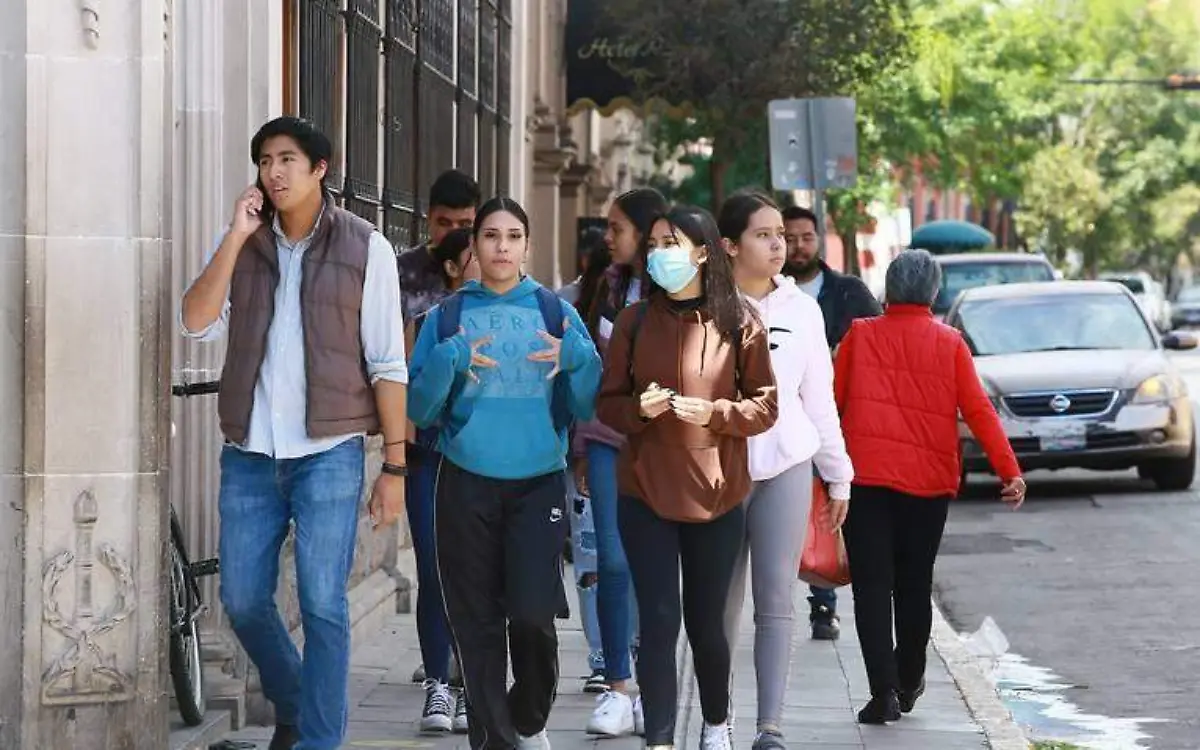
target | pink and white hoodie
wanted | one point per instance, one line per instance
(808, 426)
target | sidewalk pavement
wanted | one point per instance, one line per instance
(827, 686)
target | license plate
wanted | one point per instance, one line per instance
(1063, 436)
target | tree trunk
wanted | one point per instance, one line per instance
(850, 250)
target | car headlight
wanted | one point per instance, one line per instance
(1158, 389)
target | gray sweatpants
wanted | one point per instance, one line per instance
(776, 520)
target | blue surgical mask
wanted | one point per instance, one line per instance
(672, 268)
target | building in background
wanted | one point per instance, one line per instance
(125, 141)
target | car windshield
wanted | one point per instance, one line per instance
(1191, 294)
(1131, 283)
(1059, 322)
(958, 277)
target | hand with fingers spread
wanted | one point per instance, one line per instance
(1013, 492)
(552, 355)
(477, 359)
(697, 411)
(655, 401)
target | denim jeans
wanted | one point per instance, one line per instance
(433, 632)
(827, 597)
(320, 496)
(583, 547)
(615, 602)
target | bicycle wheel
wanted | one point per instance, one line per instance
(187, 674)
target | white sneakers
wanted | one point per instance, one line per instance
(715, 737)
(539, 741)
(613, 716)
(617, 715)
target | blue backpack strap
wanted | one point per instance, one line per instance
(448, 322)
(551, 306)
(449, 316)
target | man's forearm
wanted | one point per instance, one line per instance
(391, 401)
(203, 301)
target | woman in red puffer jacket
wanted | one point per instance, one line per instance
(901, 381)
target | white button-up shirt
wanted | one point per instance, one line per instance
(278, 419)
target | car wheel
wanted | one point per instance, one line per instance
(1172, 474)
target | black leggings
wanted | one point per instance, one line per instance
(707, 552)
(892, 540)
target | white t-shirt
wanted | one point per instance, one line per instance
(813, 288)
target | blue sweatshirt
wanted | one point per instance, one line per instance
(501, 427)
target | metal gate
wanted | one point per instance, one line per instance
(408, 89)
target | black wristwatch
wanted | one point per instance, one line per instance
(396, 470)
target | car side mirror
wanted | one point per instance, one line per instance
(1179, 341)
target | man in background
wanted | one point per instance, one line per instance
(842, 299)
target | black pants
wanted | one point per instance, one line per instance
(656, 550)
(499, 549)
(892, 541)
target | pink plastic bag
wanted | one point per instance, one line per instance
(823, 563)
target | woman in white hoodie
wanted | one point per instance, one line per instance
(807, 433)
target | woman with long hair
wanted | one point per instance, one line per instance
(443, 711)
(595, 259)
(782, 458)
(598, 445)
(688, 379)
(500, 368)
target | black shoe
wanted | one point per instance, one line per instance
(285, 738)
(881, 709)
(825, 623)
(908, 698)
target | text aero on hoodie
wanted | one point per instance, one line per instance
(501, 426)
(808, 425)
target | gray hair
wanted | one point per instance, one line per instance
(913, 278)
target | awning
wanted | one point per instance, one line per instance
(949, 235)
(602, 67)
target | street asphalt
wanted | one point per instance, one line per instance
(1095, 586)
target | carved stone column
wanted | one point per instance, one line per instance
(550, 157)
(574, 184)
(88, 109)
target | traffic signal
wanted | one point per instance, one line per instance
(1182, 82)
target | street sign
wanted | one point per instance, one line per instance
(814, 143)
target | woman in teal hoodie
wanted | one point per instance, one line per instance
(501, 368)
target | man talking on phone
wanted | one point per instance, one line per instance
(309, 298)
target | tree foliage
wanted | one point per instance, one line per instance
(727, 59)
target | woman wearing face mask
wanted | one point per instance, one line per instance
(598, 446)
(781, 459)
(501, 388)
(688, 379)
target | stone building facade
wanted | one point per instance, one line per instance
(124, 139)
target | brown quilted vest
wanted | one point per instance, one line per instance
(340, 398)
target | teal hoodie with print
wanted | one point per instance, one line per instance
(501, 426)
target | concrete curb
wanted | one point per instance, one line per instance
(1001, 730)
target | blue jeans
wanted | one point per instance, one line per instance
(320, 495)
(614, 596)
(583, 546)
(827, 597)
(433, 632)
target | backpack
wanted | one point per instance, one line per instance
(550, 304)
(640, 314)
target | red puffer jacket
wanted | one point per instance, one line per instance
(900, 382)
